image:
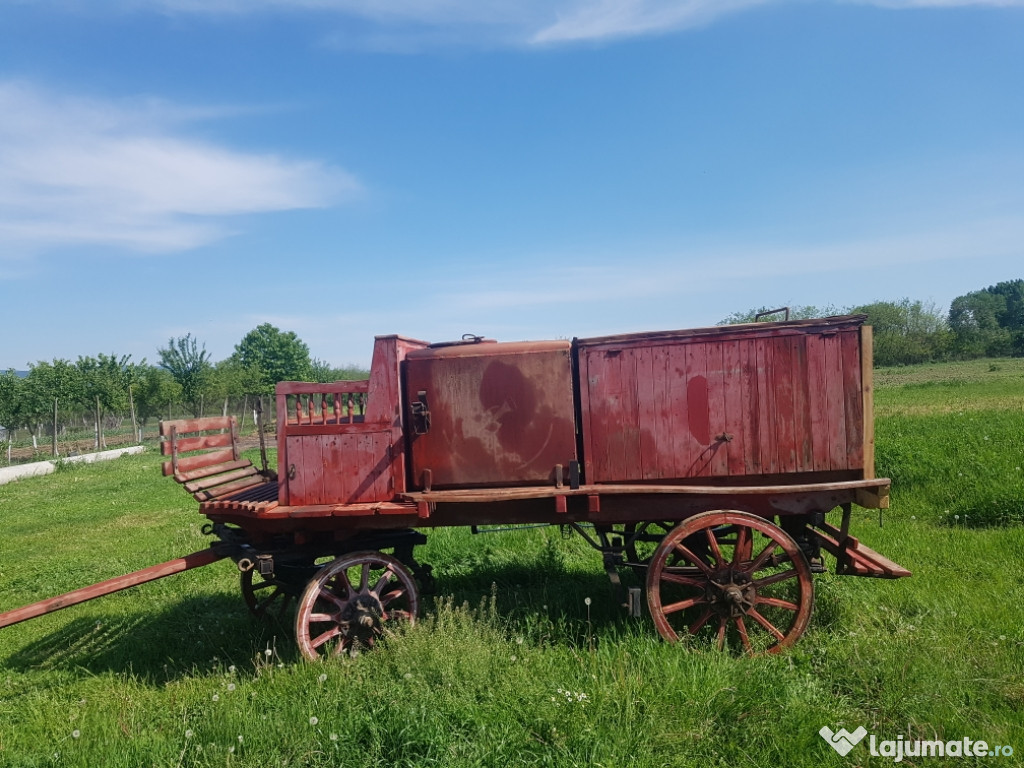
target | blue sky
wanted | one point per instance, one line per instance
(519, 169)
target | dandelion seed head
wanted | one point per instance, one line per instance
(323, 677)
(407, 675)
(268, 653)
(586, 601)
(216, 697)
(314, 720)
(75, 733)
(231, 750)
(334, 737)
(188, 734)
(239, 738)
(513, 658)
(231, 686)
(231, 669)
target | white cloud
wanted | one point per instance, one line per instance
(76, 171)
(537, 22)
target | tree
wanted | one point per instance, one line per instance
(799, 312)
(50, 386)
(104, 386)
(190, 367)
(990, 321)
(154, 391)
(906, 332)
(10, 396)
(270, 355)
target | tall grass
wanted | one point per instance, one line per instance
(511, 665)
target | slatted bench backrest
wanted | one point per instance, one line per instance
(205, 457)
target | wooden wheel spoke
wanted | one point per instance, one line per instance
(322, 618)
(713, 545)
(687, 581)
(694, 628)
(743, 546)
(332, 598)
(383, 581)
(756, 616)
(778, 603)
(744, 637)
(723, 623)
(775, 578)
(763, 556)
(682, 605)
(685, 552)
(364, 576)
(394, 594)
(323, 638)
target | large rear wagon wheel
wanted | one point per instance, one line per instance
(733, 578)
(351, 602)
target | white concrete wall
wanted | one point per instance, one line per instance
(8, 474)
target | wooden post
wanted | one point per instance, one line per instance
(55, 427)
(259, 428)
(131, 404)
(241, 422)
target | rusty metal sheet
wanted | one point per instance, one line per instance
(499, 414)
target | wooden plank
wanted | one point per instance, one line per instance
(802, 407)
(201, 443)
(867, 386)
(682, 443)
(171, 567)
(630, 424)
(816, 399)
(211, 481)
(647, 416)
(783, 372)
(766, 405)
(718, 464)
(698, 409)
(205, 424)
(283, 451)
(229, 488)
(852, 398)
(586, 410)
(330, 388)
(749, 409)
(660, 421)
(189, 463)
(312, 468)
(732, 370)
(213, 469)
(834, 403)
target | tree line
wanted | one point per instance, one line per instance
(984, 323)
(101, 392)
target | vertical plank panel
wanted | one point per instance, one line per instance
(867, 375)
(312, 468)
(662, 424)
(334, 461)
(296, 485)
(802, 406)
(631, 461)
(587, 399)
(750, 413)
(647, 416)
(816, 400)
(734, 410)
(766, 403)
(853, 404)
(782, 376)
(677, 375)
(834, 399)
(697, 409)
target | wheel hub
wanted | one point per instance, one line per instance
(731, 593)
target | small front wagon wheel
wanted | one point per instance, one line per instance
(351, 602)
(733, 577)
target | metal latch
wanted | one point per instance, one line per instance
(420, 414)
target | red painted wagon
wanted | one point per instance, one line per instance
(705, 460)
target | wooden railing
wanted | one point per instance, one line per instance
(334, 403)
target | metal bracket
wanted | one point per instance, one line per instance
(420, 414)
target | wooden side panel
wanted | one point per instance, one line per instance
(762, 403)
(868, 395)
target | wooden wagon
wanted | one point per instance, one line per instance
(705, 461)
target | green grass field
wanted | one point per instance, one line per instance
(511, 666)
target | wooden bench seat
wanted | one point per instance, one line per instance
(205, 458)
